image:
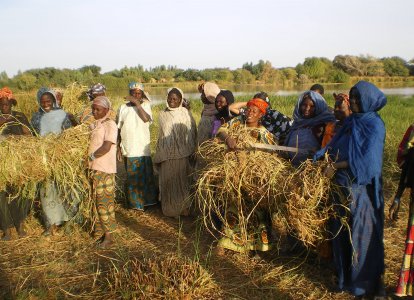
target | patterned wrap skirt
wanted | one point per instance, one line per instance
(104, 196)
(141, 185)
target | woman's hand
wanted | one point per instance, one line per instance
(231, 143)
(7, 119)
(119, 153)
(329, 171)
(394, 209)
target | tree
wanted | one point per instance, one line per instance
(314, 67)
(289, 73)
(395, 66)
(338, 76)
(243, 76)
(3, 76)
(351, 65)
(25, 81)
(92, 69)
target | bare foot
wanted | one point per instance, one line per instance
(7, 235)
(20, 231)
(219, 251)
(50, 230)
(107, 242)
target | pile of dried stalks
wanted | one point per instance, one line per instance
(74, 98)
(248, 179)
(26, 161)
(166, 277)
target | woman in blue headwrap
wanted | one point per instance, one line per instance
(310, 117)
(356, 152)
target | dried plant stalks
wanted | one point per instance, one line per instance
(27, 161)
(249, 179)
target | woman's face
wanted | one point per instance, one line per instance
(307, 108)
(253, 115)
(59, 97)
(173, 100)
(98, 111)
(5, 106)
(354, 101)
(341, 110)
(221, 102)
(46, 102)
(137, 94)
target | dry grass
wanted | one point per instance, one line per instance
(69, 266)
(251, 179)
(29, 161)
(165, 276)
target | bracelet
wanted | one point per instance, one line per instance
(92, 156)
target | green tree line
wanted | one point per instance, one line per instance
(321, 69)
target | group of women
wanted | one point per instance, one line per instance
(352, 136)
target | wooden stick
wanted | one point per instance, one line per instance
(278, 148)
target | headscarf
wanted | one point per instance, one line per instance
(182, 99)
(5, 92)
(366, 143)
(342, 97)
(259, 103)
(138, 86)
(224, 112)
(95, 89)
(322, 115)
(44, 90)
(102, 101)
(211, 90)
(105, 103)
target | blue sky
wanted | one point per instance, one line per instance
(198, 34)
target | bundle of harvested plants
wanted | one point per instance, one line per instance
(249, 179)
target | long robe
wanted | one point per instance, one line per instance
(177, 140)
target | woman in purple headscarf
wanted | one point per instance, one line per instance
(356, 152)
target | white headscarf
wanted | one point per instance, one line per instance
(182, 99)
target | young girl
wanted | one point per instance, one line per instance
(176, 144)
(102, 163)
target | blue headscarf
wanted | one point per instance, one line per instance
(321, 114)
(366, 143)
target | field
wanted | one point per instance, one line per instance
(156, 257)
